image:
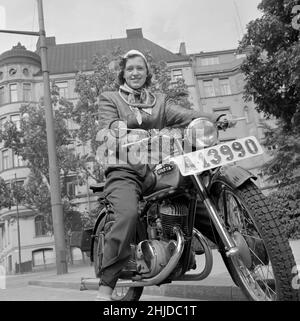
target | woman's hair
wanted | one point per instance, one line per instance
(122, 65)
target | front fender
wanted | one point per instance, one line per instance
(232, 175)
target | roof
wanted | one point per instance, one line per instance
(19, 54)
(72, 57)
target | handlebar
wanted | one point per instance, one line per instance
(220, 124)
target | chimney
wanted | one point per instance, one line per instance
(134, 33)
(182, 49)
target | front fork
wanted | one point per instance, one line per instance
(230, 247)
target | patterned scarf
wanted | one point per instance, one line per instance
(138, 99)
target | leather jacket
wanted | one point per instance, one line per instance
(165, 113)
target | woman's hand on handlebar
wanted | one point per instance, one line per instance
(225, 121)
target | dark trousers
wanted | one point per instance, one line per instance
(123, 190)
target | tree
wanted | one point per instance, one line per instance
(5, 195)
(272, 68)
(272, 75)
(29, 141)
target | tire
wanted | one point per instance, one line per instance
(119, 293)
(263, 267)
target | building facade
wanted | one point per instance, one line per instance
(220, 85)
(215, 85)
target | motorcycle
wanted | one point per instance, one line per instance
(167, 244)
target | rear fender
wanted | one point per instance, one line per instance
(233, 175)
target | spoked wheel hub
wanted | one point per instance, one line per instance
(244, 252)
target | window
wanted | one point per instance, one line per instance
(16, 120)
(210, 61)
(225, 87)
(2, 93)
(247, 114)
(12, 71)
(5, 159)
(238, 56)
(71, 189)
(18, 161)
(273, 147)
(26, 92)
(177, 74)
(43, 257)
(209, 90)
(1, 240)
(26, 72)
(40, 225)
(226, 140)
(222, 110)
(62, 89)
(13, 93)
(2, 122)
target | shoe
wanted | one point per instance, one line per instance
(104, 293)
(103, 298)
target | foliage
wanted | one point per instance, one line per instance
(285, 162)
(286, 202)
(273, 64)
(29, 141)
(272, 75)
(5, 195)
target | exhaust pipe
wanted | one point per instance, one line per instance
(93, 283)
(166, 271)
(208, 261)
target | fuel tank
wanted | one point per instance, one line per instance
(167, 175)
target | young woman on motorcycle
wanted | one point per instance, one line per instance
(138, 108)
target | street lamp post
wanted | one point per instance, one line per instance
(18, 226)
(55, 190)
(57, 211)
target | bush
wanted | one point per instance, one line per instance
(286, 203)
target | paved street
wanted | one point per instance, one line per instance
(66, 287)
(17, 289)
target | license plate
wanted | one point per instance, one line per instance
(219, 155)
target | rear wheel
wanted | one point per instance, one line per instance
(119, 293)
(263, 268)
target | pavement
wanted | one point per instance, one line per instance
(218, 286)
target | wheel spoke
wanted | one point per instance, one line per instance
(253, 237)
(254, 284)
(257, 281)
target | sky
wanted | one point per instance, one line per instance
(204, 25)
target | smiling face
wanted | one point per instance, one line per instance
(135, 72)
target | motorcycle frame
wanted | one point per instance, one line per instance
(229, 244)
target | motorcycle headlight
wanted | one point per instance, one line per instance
(201, 133)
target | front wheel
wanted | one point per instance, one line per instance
(263, 267)
(119, 293)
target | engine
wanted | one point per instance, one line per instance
(153, 254)
(173, 214)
